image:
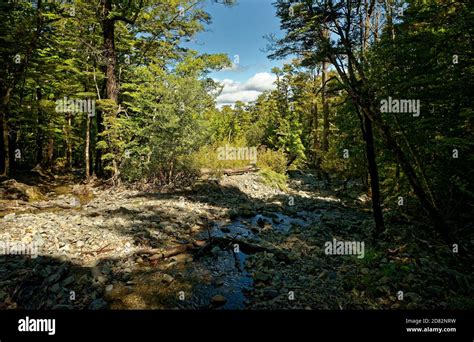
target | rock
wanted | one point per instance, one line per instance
(38, 239)
(332, 275)
(247, 212)
(233, 214)
(200, 243)
(218, 300)
(195, 229)
(414, 297)
(269, 293)
(68, 281)
(155, 257)
(80, 244)
(282, 256)
(218, 282)
(167, 278)
(9, 217)
(98, 304)
(261, 222)
(260, 276)
(55, 288)
(11, 189)
(109, 288)
(54, 278)
(65, 248)
(62, 307)
(182, 258)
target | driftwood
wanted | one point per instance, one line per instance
(202, 247)
(42, 172)
(13, 190)
(103, 249)
(159, 254)
(230, 172)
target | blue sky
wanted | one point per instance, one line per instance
(238, 31)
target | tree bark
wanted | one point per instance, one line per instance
(39, 130)
(5, 131)
(87, 146)
(325, 140)
(50, 150)
(68, 141)
(374, 175)
(315, 126)
(108, 31)
(409, 171)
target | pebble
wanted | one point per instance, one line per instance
(167, 278)
(218, 300)
(98, 304)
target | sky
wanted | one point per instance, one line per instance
(239, 31)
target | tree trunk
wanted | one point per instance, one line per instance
(50, 151)
(110, 56)
(87, 146)
(5, 132)
(374, 175)
(409, 171)
(325, 142)
(315, 126)
(108, 31)
(39, 130)
(68, 141)
(315, 117)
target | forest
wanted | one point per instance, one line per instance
(346, 185)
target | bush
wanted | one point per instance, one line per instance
(274, 179)
(272, 160)
(208, 158)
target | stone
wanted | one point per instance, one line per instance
(62, 307)
(55, 288)
(167, 278)
(9, 217)
(218, 300)
(269, 293)
(98, 304)
(68, 281)
(260, 276)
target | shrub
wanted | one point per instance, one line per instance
(273, 179)
(272, 160)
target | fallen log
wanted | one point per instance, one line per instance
(201, 247)
(229, 172)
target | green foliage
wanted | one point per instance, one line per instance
(272, 160)
(274, 179)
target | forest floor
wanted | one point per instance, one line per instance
(229, 244)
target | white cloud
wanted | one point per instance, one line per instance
(260, 82)
(247, 91)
